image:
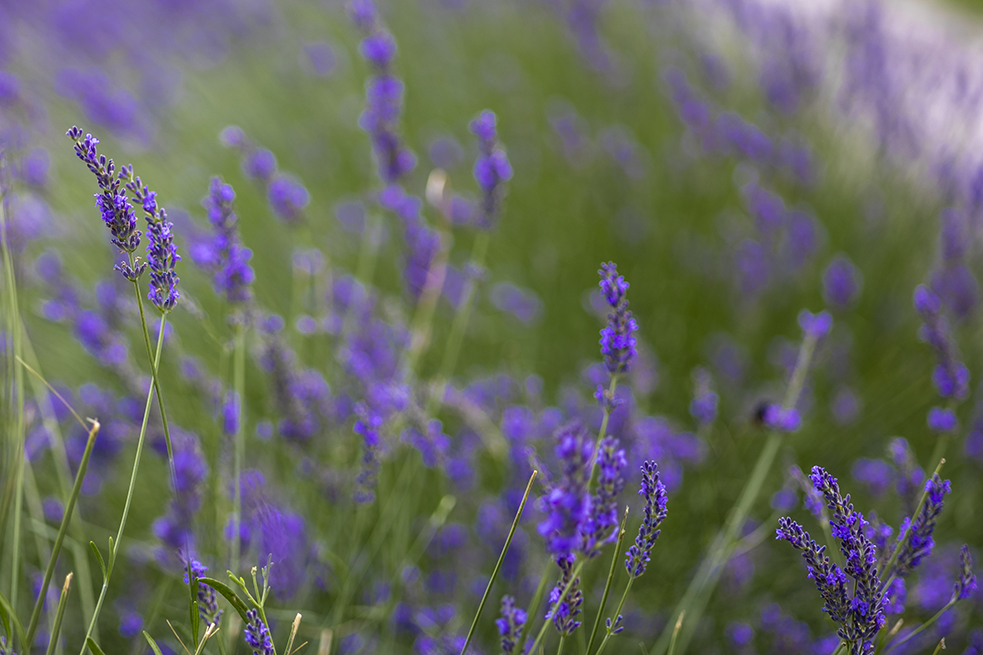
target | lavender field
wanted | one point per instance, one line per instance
(438, 327)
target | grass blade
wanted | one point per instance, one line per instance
(62, 602)
(60, 539)
(498, 565)
(229, 595)
(153, 644)
(93, 646)
(7, 612)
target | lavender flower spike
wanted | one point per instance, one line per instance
(602, 520)
(617, 338)
(491, 169)
(916, 542)
(656, 500)
(564, 615)
(161, 249)
(568, 502)
(227, 256)
(113, 203)
(510, 624)
(258, 635)
(829, 578)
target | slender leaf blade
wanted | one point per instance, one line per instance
(229, 595)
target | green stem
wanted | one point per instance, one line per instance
(129, 495)
(607, 585)
(461, 319)
(839, 648)
(559, 649)
(60, 539)
(498, 565)
(153, 366)
(56, 627)
(537, 598)
(697, 595)
(612, 387)
(923, 626)
(239, 375)
(562, 597)
(617, 613)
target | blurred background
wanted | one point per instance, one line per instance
(740, 160)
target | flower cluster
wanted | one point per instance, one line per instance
(257, 634)
(618, 345)
(225, 255)
(492, 168)
(915, 540)
(861, 615)
(601, 523)
(568, 503)
(207, 598)
(564, 613)
(950, 376)
(656, 510)
(510, 624)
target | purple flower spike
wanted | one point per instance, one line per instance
(841, 283)
(564, 614)
(510, 624)
(942, 420)
(618, 345)
(492, 168)
(113, 203)
(602, 522)
(950, 376)
(656, 510)
(966, 584)
(568, 503)
(258, 635)
(815, 325)
(226, 257)
(915, 537)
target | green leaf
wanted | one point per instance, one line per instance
(5, 621)
(229, 595)
(10, 619)
(112, 555)
(93, 646)
(153, 644)
(102, 562)
(195, 617)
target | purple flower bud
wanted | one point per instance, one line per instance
(815, 325)
(841, 282)
(942, 420)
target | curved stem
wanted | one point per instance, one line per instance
(923, 626)
(238, 375)
(537, 598)
(617, 613)
(559, 600)
(129, 495)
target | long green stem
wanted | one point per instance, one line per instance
(617, 613)
(60, 539)
(607, 585)
(559, 648)
(129, 494)
(56, 627)
(459, 326)
(602, 431)
(559, 600)
(498, 564)
(537, 598)
(153, 366)
(239, 376)
(698, 593)
(13, 398)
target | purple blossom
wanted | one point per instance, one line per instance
(915, 537)
(568, 503)
(618, 344)
(283, 538)
(779, 418)
(227, 258)
(815, 325)
(602, 522)
(942, 420)
(705, 401)
(564, 614)
(510, 624)
(656, 510)
(207, 598)
(841, 282)
(288, 198)
(950, 376)
(492, 168)
(257, 634)
(161, 249)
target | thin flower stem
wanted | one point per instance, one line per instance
(923, 626)
(617, 613)
(498, 565)
(615, 557)
(839, 648)
(56, 626)
(129, 495)
(153, 366)
(537, 598)
(698, 593)
(66, 519)
(238, 376)
(427, 304)
(559, 600)
(602, 431)
(559, 649)
(460, 325)
(14, 397)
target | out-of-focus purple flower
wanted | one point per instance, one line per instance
(510, 624)
(965, 586)
(524, 304)
(492, 168)
(950, 376)
(739, 634)
(318, 58)
(705, 400)
(942, 420)
(845, 406)
(288, 198)
(568, 503)
(875, 473)
(656, 510)
(618, 344)
(602, 520)
(779, 418)
(283, 537)
(841, 282)
(815, 325)
(227, 258)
